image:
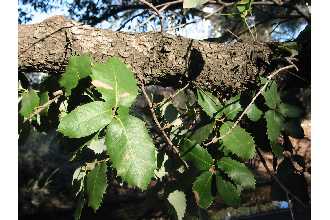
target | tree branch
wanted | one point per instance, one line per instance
(161, 59)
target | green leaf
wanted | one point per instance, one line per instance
(277, 149)
(198, 155)
(97, 145)
(97, 185)
(30, 100)
(238, 141)
(131, 150)
(274, 124)
(227, 191)
(244, 6)
(116, 82)
(202, 190)
(290, 111)
(178, 200)
(82, 64)
(79, 207)
(271, 95)
(254, 113)
(44, 98)
(232, 107)
(202, 133)
(209, 103)
(78, 68)
(193, 3)
(69, 80)
(86, 119)
(238, 172)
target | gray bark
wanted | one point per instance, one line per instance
(161, 59)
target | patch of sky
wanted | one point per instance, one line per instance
(195, 27)
(287, 31)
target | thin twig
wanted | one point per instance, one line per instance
(162, 8)
(153, 114)
(156, 11)
(172, 96)
(215, 12)
(263, 161)
(130, 19)
(39, 109)
(150, 17)
(214, 140)
(232, 33)
(169, 3)
(192, 22)
(290, 207)
(247, 25)
(180, 26)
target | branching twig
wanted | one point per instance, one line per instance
(192, 22)
(162, 8)
(39, 109)
(263, 161)
(214, 140)
(156, 11)
(153, 114)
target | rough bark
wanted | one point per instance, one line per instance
(161, 58)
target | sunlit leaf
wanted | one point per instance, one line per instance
(30, 100)
(178, 200)
(86, 119)
(115, 81)
(209, 103)
(97, 145)
(193, 3)
(131, 150)
(78, 68)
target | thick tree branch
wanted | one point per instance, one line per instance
(160, 58)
